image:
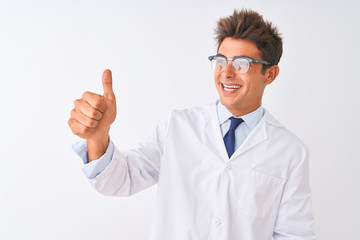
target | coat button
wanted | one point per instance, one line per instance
(227, 168)
(217, 222)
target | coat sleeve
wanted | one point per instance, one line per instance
(295, 219)
(131, 171)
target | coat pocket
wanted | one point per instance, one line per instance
(258, 193)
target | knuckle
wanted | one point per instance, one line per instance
(72, 113)
(89, 94)
(75, 132)
(97, 103)
(93, 123)
(94, 114)
(72, 127)
(85, 94)
(78, 103)
(83, 129)
(70, 123)
(96, 96)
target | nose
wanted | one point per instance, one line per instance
(229, 71)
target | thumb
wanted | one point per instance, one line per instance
(107, 85)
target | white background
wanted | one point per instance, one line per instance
(53, 51)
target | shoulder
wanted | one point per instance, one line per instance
(280, 133)
(290, 149)
(195, 113)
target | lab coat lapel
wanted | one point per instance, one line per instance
(256, 136)
(214, 139)
(216, 142)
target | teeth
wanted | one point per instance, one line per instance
(233, 87)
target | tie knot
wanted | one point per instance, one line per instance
(235, 122)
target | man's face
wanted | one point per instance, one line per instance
(248, 97)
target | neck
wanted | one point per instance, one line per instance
(237, 112)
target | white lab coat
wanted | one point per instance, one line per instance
(261, 192)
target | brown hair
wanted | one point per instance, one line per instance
(250, 25)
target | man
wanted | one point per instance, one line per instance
(228, 170)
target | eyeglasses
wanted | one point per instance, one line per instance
(239, 64)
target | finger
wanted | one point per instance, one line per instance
(107, 85)
(71, 123)
(95, 100)
(83, 119)
(80, 130)
(86, 109)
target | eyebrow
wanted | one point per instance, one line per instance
(220, 54)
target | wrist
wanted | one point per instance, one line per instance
(101, 135)
(97, 146)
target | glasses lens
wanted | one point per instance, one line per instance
(241, 65)
(218, 64)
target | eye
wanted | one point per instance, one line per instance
(240, 63)
(220, 60)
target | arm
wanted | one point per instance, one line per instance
(126, 172)
(295, 219)
(131, 171)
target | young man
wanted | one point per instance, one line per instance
(228, 170)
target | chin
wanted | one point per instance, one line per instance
(228, 103)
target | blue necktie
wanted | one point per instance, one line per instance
(229, 137)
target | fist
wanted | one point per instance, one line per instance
(93, 113)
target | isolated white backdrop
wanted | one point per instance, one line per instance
(52, 51)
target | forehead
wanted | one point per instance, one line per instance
(239, 47)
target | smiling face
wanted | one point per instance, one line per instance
(242, 94)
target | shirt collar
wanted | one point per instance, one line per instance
(251, 119)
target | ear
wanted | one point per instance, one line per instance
(271, 73)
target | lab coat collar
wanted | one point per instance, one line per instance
(251, 119)
(256, 136)
(269, 118)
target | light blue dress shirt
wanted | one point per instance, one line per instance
(243, 130)
(95, 167)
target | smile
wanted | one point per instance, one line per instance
(229, 89)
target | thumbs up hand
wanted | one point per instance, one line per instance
(92, 116)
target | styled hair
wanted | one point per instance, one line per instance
(250, 25)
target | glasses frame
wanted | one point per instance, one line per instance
(251, 60)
